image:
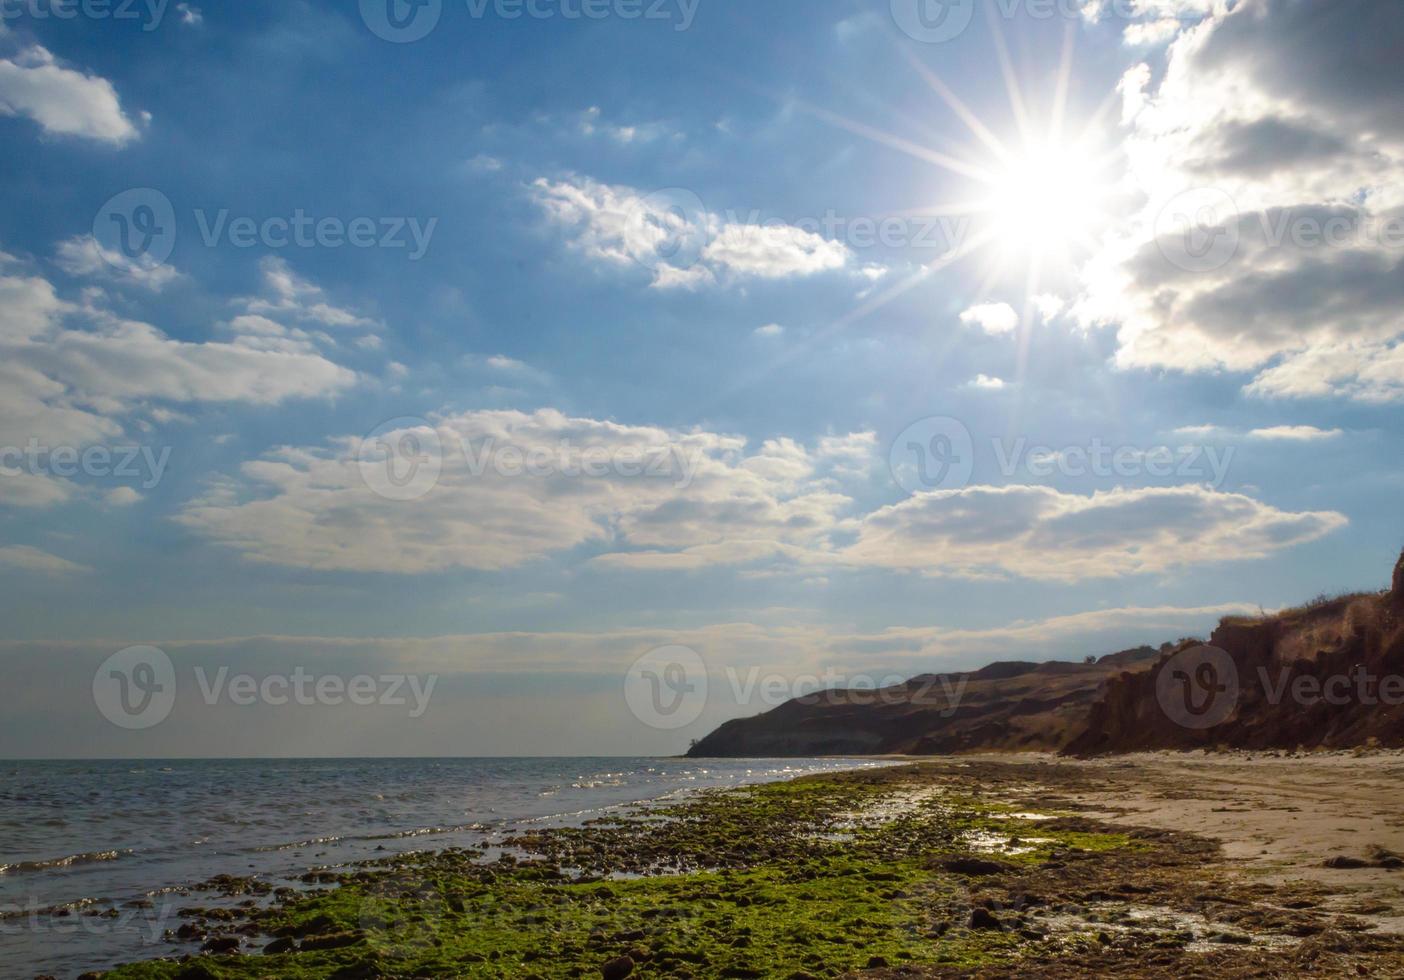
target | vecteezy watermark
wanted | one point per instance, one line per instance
(673, 228)
(1202, 229)
(140, 226)
(1201, 687)
(146, 921)
(666, 688)
(301, 230)
(150, 12)
(144, 463)
(935, 453)
(405, 458)
(405, 21)
(136, 688)
(938, 21)
(307, 689)
(941, 692)
(938, 453)
(1197, 688)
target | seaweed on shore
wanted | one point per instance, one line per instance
(914, 870)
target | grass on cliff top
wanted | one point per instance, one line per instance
(775, 881)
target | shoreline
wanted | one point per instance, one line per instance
(990, 864)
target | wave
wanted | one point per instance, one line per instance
(68, 861)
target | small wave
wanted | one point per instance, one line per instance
(313, 842)
(88, 857)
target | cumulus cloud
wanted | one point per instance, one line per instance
(510, 487)
(1295, 433)
(993, 318)
(64, 102)
(697, 499)
(24, 558)
(85, 256)
(72, 371)
(1270, 151)
(1040, 533)
(290, 296)
(672, 235)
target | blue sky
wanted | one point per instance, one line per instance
(652, 236)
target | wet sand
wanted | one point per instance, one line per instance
(1278, 816)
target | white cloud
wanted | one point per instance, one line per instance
(23, 558)
(1295, 433)
(671, 235)
(190, 15)
(984, 381)
(19, 488)
(769, 330)
(993, 318)
(62, 101)
(1270, 153)
(516, 487)
(122, 497)
(84, 255)
(712, 502)
(291, 296)
(1040, 533)
(70, 372)
(484, 164)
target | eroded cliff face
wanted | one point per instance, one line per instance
(1328, 675)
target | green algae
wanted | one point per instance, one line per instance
(742, 883)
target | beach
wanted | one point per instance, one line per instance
(1008, 865)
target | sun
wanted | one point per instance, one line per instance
(1047, 200)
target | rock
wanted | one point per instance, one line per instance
(334, 940)
(981, 918)
(197, 971)
(973, 867)
(283, 945)
(1340, 862)
(221, 944)
(617, 968)
(876, 962)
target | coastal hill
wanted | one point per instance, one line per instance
(1329, 674)
(1003, 706)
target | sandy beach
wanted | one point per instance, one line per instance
(1279, 817)
(1155, 865)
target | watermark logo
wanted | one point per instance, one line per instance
(669, 227)
(1197, 688)
(150, 12)
(933, 21)
(135, 688)
(401, 459)
(666, 688)
(935, 453)
(401, 21)
(137, 225)
(1198, 230)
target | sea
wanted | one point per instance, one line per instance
(97, 857)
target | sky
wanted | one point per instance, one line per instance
(565, 377)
